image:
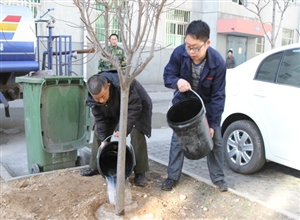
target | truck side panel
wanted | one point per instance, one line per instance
(17, 48)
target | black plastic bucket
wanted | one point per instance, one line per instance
(107, 159)
(188, 120)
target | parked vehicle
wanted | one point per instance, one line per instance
(261, 119)
(17, 49)
(20, 50)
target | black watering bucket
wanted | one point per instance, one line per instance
(107, 158)
(188, 120)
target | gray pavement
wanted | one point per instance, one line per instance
(276, 187)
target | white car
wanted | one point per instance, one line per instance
(261, 119)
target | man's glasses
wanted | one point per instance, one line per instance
(195, 50)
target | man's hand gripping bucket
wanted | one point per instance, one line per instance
(188, 120)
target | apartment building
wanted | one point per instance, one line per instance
(232, 25)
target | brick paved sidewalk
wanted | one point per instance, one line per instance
(276, 187)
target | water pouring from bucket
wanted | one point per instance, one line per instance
(111, 191)
(188, 120)
(107, 159)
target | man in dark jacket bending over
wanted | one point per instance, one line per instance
(104, 101)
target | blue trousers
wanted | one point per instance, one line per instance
(215, 159)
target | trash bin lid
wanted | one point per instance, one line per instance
(64, 115)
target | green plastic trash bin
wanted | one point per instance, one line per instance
(57, 120)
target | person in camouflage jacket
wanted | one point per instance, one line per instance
(115, 50)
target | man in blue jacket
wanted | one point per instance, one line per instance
(195, 65)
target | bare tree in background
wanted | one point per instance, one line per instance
(138, 20)
(257, 7)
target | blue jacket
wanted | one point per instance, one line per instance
(212, 81)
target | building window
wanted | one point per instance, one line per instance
(260, 45)
(240, 2)
(287, 37)
(112, 29)
(176, 24)
(113, 23)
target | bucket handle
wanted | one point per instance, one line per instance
(203, 106)
(107, 138)
(131, 147)
(112, 136)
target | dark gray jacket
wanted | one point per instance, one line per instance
(139, 108)
(230, 62)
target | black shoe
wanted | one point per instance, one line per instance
(222, 185)
(168, 184)
(89, 172)
(140, 179)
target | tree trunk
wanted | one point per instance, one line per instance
(273, 24)
(145, 15)
(120, 187)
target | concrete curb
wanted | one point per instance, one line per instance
(7, 177)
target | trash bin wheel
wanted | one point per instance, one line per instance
(35, 168)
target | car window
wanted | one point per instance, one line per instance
(268, 68)
(289, 73)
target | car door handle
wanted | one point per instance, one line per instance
(260, 93)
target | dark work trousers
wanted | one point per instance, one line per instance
(138, 143)
(215, 159)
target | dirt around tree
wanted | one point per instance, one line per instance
(65, 194)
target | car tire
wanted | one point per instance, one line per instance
(243, 147)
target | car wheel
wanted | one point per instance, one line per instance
(243, 147)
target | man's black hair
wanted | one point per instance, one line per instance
(199, 30)
(113, 35)
(96, 83)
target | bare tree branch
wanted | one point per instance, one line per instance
(138, 23)
(259, 6)
(282, 10)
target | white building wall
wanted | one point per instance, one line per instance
(68, 22)
(210, 16)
